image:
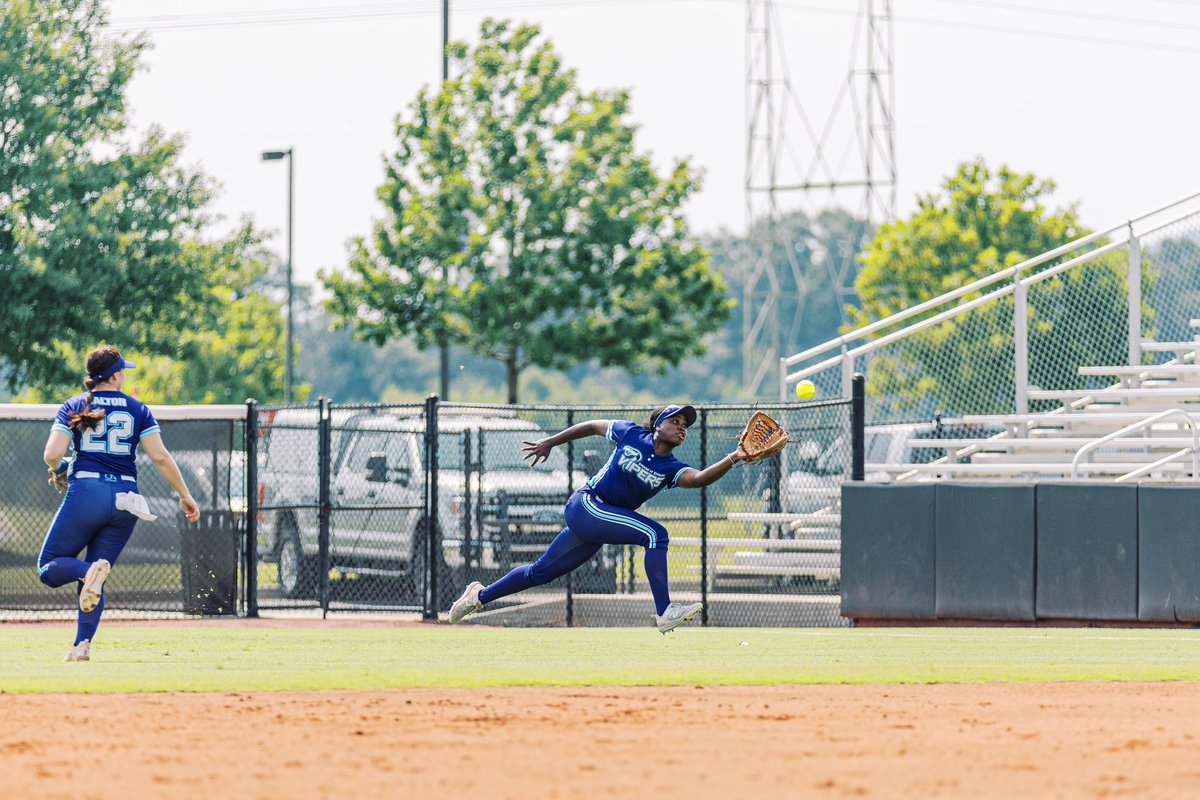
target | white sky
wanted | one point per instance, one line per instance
(1099, 96)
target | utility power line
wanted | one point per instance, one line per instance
(424, 8)
(342, 13)
(1075, 14)
(989, 28)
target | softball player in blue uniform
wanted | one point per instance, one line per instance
(605, 510)
(105, 427)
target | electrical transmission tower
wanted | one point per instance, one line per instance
(782, 160)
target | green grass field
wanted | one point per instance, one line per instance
(130, 658)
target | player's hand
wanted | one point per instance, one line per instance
(190, 509)
(58, 480)
(537, 452)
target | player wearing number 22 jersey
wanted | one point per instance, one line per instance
(104, 426)
(111, 447)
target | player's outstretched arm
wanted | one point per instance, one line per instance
(539, 451)
(695, 479)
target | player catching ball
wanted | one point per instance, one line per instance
(604, 511)
(102, 503)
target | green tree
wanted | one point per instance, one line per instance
(349, 369)
(521, 223)
(978, 223)
(101, 240)
(981, 222)
(234, 348)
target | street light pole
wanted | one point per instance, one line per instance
(445, 40)
(276, 155)
(444, 346)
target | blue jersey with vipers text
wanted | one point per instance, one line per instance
(111, 446)
(634, 472)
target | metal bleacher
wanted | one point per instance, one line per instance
(1130, 416)
(1139, 424)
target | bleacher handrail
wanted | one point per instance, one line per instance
(1088, 448)
(1122, 234)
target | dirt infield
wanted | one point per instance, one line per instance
(1072, 740)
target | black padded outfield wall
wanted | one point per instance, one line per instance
(888, 551)
(1087, 551)
(1051, 551)
(1168, 553)
(984, 551)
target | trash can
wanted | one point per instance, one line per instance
(210, 564)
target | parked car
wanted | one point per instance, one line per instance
(288, 489)
(493, 511)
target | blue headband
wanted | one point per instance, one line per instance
(689, 415)
(117, 366)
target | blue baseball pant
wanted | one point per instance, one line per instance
(88, 518)
(591, 524)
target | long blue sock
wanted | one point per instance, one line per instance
(656, 572)
(86, 624)
(513, 582)
(62, 571)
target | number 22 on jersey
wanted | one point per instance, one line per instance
(110, 436)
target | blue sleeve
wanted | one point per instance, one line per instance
(678, 468)
(149, 423)
(618, 428)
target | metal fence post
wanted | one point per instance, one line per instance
(469, 537)
(1135, 303)
(847, 371)
(324, 440)
(251, 490)
(774, 493)
(429, 600)
(858, 403)
(570, 469)
(704, 519)
(1020, 346)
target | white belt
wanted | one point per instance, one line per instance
(97, 475)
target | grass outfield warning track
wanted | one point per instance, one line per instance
(131, 658)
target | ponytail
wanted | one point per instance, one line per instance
(98, 361)
(88, 418)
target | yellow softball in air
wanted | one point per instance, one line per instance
(805, 390)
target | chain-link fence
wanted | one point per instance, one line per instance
(346, 497)
(169, 565)
(981, 349)
(398, 507)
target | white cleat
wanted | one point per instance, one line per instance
(677, 614)
(80, 652)
(93, 585)
(467, 603)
